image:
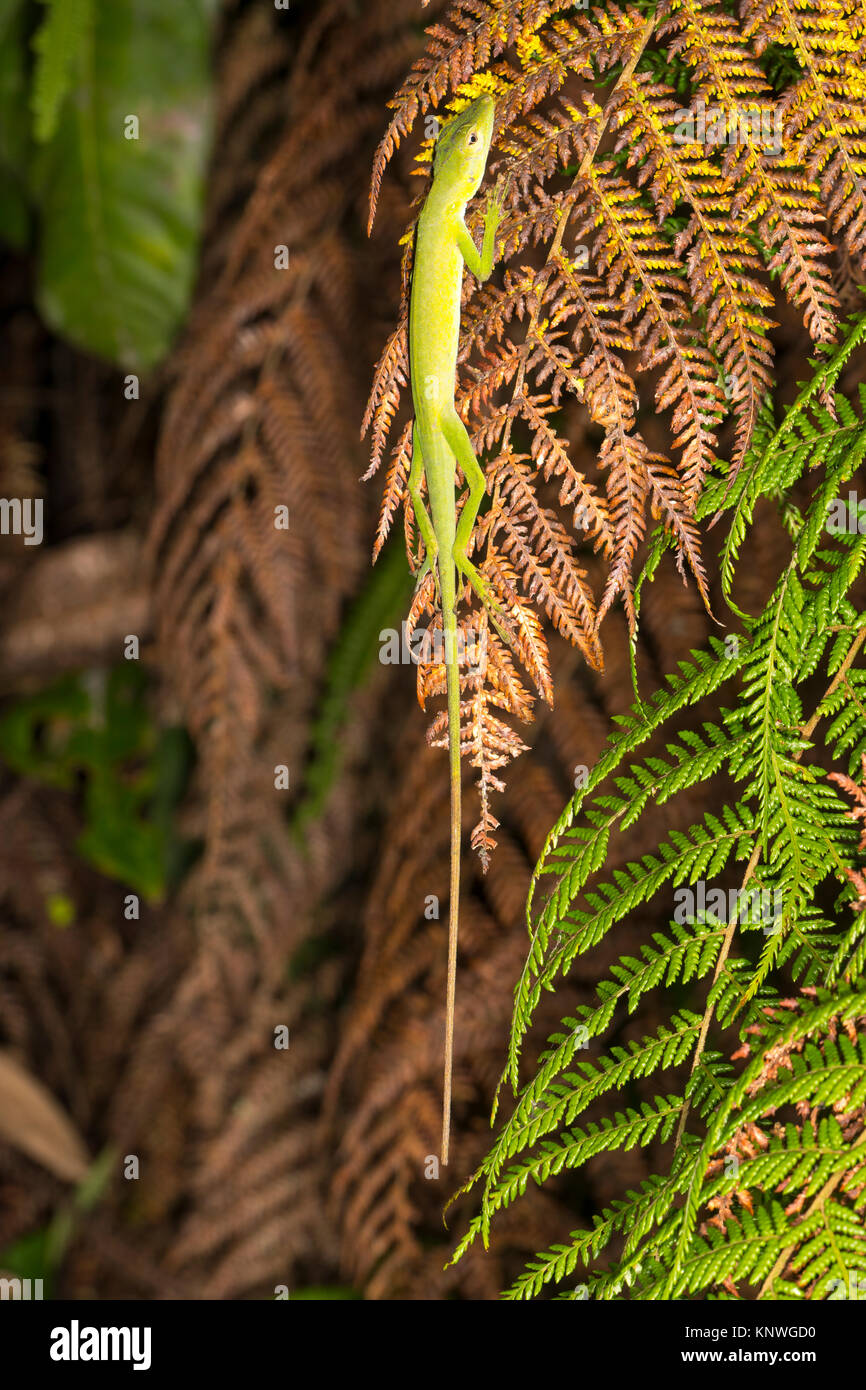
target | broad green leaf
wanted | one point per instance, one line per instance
(59, 45)
(120, 181)
(14, 126)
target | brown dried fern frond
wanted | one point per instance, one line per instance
(666, 236)
(255, 545)
(825, 112)
(856, 877)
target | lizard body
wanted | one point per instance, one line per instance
(440, 440)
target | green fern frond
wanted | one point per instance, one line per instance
(767, 1170)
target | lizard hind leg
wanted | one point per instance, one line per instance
(422, 516)
(457, 437)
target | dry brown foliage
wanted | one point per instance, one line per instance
(260, 1166)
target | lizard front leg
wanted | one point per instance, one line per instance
(481, 263)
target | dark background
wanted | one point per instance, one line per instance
(147, 1032)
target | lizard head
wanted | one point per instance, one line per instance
(461, 150)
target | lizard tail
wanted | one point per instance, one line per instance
(452, 685)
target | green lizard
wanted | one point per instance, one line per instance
(440, 439)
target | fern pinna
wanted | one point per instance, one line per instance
(763, 1167)
(675, 172)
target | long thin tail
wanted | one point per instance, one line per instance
(452, 685)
